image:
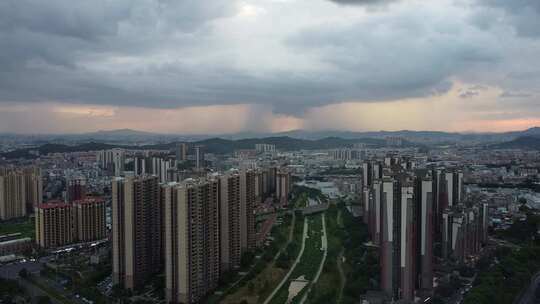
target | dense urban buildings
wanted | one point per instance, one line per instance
(165, 221)
(265, 148)
(402, 206)
(59, 224)
(89, 219)
(113, 161)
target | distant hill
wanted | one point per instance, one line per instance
(534, 132)
(211, 145)
(134, 137)
(424, 137)
(524, 143)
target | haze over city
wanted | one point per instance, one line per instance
(269, 65)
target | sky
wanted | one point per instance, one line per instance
(227, 66)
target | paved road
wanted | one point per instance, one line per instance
(529, 296)
(274, 292)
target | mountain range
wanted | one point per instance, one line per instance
(135, 137)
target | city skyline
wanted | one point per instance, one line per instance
(269, 66)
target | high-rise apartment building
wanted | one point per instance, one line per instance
(199, 157)
(136, 231)
(401, 250)
(20, 191)
(406, 234)
(181, 152)
(407, 242)
(389, 229)
(424, 200)
(54, 224)
(230, 205)
(89, 219)
(75, 189)
(375, 211)
(447, 192)
(367, 202)
(283, 186)
(12, 195)
(248, 202)
(464, 231)
(192, 259)
(33, 187)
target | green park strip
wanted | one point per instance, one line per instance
(308, 264)
(324, 290)
(350, 268)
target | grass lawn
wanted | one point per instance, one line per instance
(23, 225)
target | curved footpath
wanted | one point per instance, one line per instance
(298, 258)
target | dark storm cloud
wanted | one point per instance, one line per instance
(524, 15)
(44, 43)
(101, 52)
(398, 57)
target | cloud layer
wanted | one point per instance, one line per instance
(281, 59)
